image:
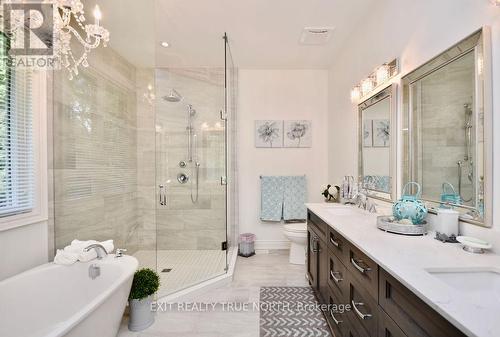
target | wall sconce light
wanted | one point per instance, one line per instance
(379, 77)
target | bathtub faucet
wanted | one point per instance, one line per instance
(99, 249)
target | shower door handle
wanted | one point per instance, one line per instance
(162, 196)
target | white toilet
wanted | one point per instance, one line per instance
(297, 234)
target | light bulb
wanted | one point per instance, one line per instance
(97, 14)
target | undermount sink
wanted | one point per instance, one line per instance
(340, 210)
(482, 283)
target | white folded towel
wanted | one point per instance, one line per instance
(65, 258)
(76, 249)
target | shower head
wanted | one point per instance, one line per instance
(173, 96)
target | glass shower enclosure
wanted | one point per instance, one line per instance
(146, 157)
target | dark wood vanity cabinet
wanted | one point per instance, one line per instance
(380, 306)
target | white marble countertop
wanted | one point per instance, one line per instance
(408, 258)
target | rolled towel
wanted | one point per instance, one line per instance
(65, 258)
(78, 246)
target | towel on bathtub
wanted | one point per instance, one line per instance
(65, 258)
(271, 199)
(67, 255)
(295, 196)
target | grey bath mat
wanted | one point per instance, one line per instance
(290, 311)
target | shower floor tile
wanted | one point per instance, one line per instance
(186, 267)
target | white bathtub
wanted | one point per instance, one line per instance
(53, 300)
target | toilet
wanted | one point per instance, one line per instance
(297, 234)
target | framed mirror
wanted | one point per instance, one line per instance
(447, 129)
(376, 141)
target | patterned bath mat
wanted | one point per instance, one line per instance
(290, 311)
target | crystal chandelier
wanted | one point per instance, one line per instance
(68, 17)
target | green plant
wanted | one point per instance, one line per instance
(146, 282)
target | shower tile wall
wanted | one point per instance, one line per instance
(95, 153)
(443, 95)
(183, 224)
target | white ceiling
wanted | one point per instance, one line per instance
(262, 33)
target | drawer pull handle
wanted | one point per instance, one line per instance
(314, 245)
(335, 243)
(336, 321)
(336, 279)
(359, 313)
(358, 267)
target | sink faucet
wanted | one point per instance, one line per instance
(99, 249)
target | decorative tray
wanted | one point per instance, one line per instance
(387, 224)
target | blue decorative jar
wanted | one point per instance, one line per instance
(448, 195)
(410, 206)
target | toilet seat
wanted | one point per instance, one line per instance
(295, 227)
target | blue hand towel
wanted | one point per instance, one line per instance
(271, 198)
(295, 196)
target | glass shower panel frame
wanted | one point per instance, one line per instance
(190, 152)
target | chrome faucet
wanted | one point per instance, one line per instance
(99, 249)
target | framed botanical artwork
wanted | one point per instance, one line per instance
(381, 132)
(367, 133)
(268, 133)
(297, 133)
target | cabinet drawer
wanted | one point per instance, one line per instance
(338, 244)
(364, 270)
(364, 309)
(387, 327)
(414, 317)
(337, 276)
(318, 225)
(336, 315)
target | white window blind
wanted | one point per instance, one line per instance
(17, 190)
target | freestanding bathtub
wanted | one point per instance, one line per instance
(53, 300)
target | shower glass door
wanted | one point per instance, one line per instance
(190, 176)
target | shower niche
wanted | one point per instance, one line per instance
(447, 128)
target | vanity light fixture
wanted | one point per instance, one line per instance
(380, 76)
(165, 44)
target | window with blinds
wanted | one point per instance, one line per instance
(17, 167)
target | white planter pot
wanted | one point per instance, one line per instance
(141, 316)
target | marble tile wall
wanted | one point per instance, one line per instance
(183, 224)
(442, 119)
(95, 153)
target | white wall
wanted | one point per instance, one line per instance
(413, 31)
(22, 248)
(279, 95)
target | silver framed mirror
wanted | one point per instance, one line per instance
(447, 129)
(377, 144)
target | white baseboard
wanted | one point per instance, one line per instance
(271, 244)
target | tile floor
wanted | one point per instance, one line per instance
(250, 274)
(188, 267)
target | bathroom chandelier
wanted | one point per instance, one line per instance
(69, 22)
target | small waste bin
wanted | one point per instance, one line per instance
(246, 246)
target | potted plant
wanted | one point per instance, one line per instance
(145, 284)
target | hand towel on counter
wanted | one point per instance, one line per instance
(271, 199)
(295, 196)
(67, 255)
